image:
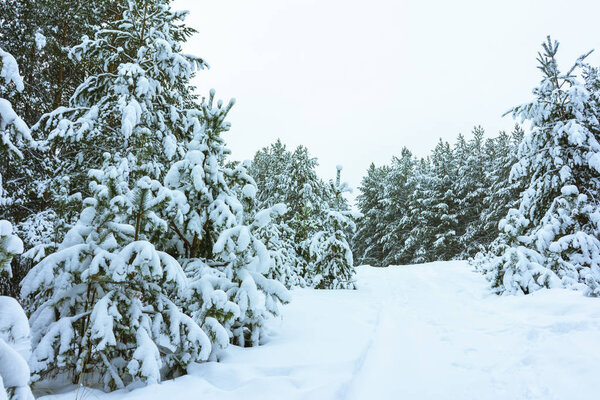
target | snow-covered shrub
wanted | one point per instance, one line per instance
(14, 351)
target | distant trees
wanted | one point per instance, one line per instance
(312, 236)
(525, 206)
(446, 206)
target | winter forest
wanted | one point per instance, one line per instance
(136, 248)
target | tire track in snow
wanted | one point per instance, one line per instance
(360, 361)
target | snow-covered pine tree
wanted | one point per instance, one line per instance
(271, 170)
(441, 206)
(135, 96)
(14, 132)
(14, 138)
(470, 189)
(502, 192)
(217, 238)
(291, 178)
(552, 239)
(419, 239)
(370, 230)
(398, 188)
(39, 34)
(14, 327)
(331, 254)
(104, 305)
(279, 240)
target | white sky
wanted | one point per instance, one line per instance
(354, 81)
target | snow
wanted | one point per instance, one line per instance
(430, 331)
(14, 349)
(40, 40)
(10, 70)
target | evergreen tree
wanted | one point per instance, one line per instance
(398, 188)
(290, 178)
(104, 305)
(503, 192)
(470, 188)
(216, 236)
(441, 206)
(329, 248)
(553, 237)
(40, 34)
(369, 244)
(271, 170)
(135, 97)
(15, 138)
(416, 244)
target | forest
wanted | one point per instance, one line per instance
(133, 244)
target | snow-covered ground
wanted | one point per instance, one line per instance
(428, 331)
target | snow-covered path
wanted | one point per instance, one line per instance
(428, 331)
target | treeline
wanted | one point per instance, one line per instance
(134, 243)
(526, 207)
(442, 207)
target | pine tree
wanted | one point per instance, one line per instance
(290, 178)
(470, 189)
(15, 138)
(40, 34)
(416, 245)
(104, 305)
(135, 96)
(332, 257)
(503, 192)
(108, 304)
(216, 235)
(441, 206)
(14, 327)
(271, 170)
(369, 244)
(555, 236)
(398, 188)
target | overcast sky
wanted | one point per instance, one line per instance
(354, 81)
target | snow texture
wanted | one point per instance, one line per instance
(15, 349)
(429, 331)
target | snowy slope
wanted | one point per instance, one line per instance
(428, 331)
